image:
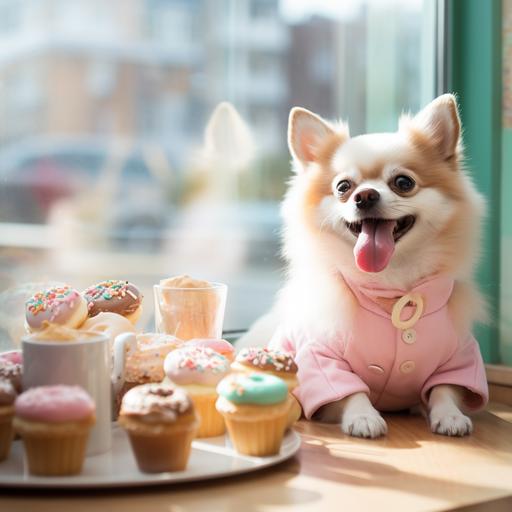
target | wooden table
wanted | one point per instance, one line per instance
(409, 470)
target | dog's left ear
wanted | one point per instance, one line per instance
(440, 121)
(307, 133)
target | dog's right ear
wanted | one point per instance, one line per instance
(307, 133)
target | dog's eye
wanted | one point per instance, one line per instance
(343, 186)
(404, 183)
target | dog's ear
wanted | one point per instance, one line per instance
(440, 122)
(306, 134)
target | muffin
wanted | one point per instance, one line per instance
(274, 362)
(114, 296)
(60, 305)
(255, 408)
(145, 365)
(223, 347)
(7, 397)
(198, 370)
(13, 372)
(161, 423)
(54, 423)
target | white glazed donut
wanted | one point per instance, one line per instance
(61, 305)
(110, 324)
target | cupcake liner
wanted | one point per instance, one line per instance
(54, 449)
(168, 450)
(295, 412)
(211, 421)
(6, 434)
(258, 438)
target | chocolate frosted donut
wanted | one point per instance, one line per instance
(114, 296)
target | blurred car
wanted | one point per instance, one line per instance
(36, 175)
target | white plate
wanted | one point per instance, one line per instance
(210, 458)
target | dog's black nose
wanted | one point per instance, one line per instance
(366, 198)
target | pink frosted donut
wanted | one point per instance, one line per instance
(196, 365)
(12, 356)
(61, 305)
(54, 404)
(223, 347)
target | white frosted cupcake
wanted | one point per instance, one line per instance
(199, 370)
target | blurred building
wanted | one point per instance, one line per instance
(139, 68)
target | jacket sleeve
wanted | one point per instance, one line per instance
(324, 376)
(465, 368)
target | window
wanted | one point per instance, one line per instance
(111, 165)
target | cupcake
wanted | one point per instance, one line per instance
(274, 362)
(54, 423)
(223, 347)
(199, 370)
(11, 371)
(7, 397)
(161, 423)
(255, 408)
(145, 365)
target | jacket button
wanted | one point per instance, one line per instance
(376, 369)
(409, 336)
(407, 366)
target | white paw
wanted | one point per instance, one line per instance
(455, 424)
(364, 425)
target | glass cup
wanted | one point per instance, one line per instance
(189, 313)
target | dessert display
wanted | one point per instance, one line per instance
(61, 305)
(223, 347)
(145, 364)
(255, 408)
(189, 308)
(198, 370)
(7, 397)
(161, 423)
(54, 424)
(170, 387)
(274, 362)
(114, 296)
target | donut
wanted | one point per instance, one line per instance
(110, 324)
(60, 305)
(114, 296)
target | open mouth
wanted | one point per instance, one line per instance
(376, 240)
(402, 226)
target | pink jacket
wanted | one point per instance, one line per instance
(396, 364)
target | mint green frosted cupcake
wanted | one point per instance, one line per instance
(255, 408)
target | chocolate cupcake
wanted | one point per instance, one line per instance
(161, 423)
(114, 296)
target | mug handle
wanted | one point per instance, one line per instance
(123, 344)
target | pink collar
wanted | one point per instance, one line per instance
(435, 292)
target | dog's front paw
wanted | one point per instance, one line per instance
(364, 425)
(454, 424)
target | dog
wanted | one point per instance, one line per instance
(381, 238)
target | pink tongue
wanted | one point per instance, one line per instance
(375, 245)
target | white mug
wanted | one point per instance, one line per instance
(84, 362)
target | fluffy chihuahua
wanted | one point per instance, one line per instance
(381, 239)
